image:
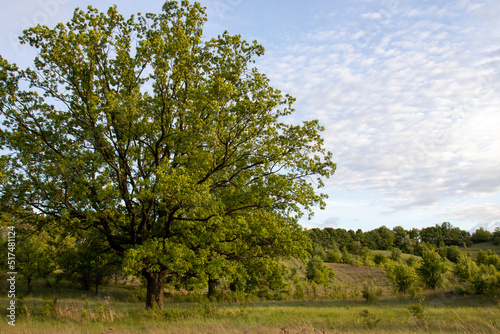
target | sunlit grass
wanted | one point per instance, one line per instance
(445, 313)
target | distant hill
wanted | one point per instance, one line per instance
(475, 248)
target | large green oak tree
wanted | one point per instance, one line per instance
(168, 143)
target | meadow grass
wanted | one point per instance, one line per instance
(484, 246)
(443, 313)
(119, 308)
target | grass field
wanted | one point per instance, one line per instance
(442, 314)
(484, 246)
(338, 307)
(75, 312)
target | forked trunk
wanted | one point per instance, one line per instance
(155, 283)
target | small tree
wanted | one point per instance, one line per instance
(317, 272)
(431, 268)
(35, 257)
(333, 255)
(402, 276)
(465, 268)
(88, 260)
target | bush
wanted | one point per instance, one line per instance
(496, 236)
(333, 256)
(412, 261)
(370, 293)
(487, 282)
(431, 268)
(379, 259)
(402, 276)
(450, 252)
(317, 272)
(488, 258)
(465, 268)
(396, 254)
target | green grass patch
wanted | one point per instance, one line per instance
(444, 313)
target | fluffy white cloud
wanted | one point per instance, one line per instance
(412, 112)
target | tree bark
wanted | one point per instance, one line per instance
(29, 285)
(211, 288)
(155, 283)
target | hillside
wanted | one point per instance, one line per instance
(484, 246)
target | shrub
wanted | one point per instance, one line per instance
(396, 254)
(450, 252)
(487, 282)
(379, 259)
(369, 319)
(333, 256)
(317, 272)
(418, 312)
(412, 261)
(404, 278)
(370, 293)
(488, 258)
(465, 268)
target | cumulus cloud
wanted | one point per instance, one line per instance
(331, 222)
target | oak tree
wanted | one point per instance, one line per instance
(168, 143)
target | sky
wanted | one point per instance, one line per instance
(408, 93)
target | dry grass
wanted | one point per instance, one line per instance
(446, 314)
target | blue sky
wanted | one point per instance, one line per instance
(408, 91)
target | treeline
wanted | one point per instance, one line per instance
(438, 256)
(85, 258)
(408, 241)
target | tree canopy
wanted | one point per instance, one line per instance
(171, 146)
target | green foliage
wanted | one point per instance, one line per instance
(379, 259)
(50, 307)
(403, 277)
(169, 144)
(481, 235)
(465, 268)
(496, 236)
(347, 258)
(396, 254)
(299, 287)
(417, 310)
(452, 253)
(35, 256)
(333, 255)
(487, 282)
(412, 261)
(430, 269)
(86, 259)
(317, 272)
(445, 235)
(319, 251)
(488, 258)
(381, 238)
(370, 320)
(370, 293)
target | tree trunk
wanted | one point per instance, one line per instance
(155, 283)
(29, 285)
(211, 288)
